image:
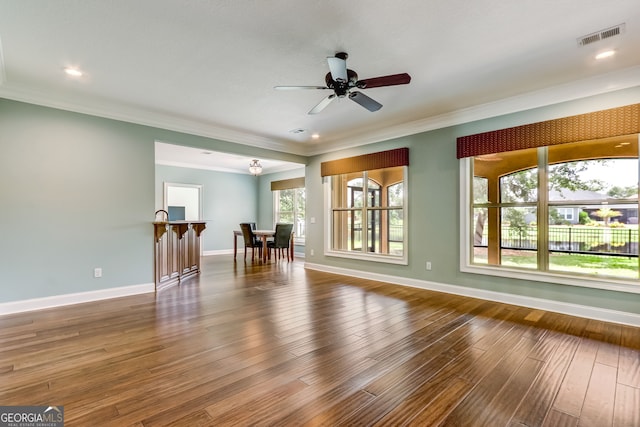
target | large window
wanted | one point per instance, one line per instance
(366, 206)
(368, 215)
(567, 211)
(289, 208)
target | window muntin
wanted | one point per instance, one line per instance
(395, 240)
(600, 236)
(368, 215)
(566, 185)
(290, 208)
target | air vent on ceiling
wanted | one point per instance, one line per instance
(601, 35)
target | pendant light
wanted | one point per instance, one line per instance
(255, 167)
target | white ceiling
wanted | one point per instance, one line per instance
(209, 67)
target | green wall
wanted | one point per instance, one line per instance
(78, 192)
(227, 200)
(74, 197)
(434, 224)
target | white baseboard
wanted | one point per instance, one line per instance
(217, 252)
(75, 298)
(589, 312)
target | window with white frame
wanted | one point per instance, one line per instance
(289, 208)
(367, 212)
(567, 212)
(289, 205)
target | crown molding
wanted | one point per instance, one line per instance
(110, 110)
(610, 82)
(605, 83)
(277, 169)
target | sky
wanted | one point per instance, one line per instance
(616, 172)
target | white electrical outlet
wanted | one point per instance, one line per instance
(97, 272)
(428, 265)
(312, 252)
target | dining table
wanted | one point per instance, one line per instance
(263, 235)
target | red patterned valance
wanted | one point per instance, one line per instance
(596, 125)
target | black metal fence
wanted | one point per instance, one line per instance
(603, 241)
(396, 233)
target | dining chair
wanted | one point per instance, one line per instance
(254, 228)
(250, 241)
(281, 240)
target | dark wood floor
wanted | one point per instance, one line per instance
(274, 344)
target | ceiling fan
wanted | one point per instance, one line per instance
(343, 82)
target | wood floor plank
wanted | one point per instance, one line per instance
(501, 407)
(627, 407)
(195, 419)
(560, 419)
(327, 417)
(262, 407)
(433, 400)
(438, 408)
(274, 344)
(598, 406)
(489, 384)
(574, 387)
(385, 402)
(629, 367)
(538, 401)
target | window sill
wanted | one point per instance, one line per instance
(386, 259)
(585, 281)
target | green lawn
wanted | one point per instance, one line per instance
(587, 236)
(600, 265)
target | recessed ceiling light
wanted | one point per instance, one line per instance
(606, 54)
(315, 136)
(73, 72)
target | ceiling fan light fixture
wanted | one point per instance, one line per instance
(255, 168)
(342, 81)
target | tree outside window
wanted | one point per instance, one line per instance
(569, 208)
(290, 209)
(368, 215)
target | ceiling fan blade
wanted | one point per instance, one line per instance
(392, 80)
(365, 101)
(299, 87)
(323, 104)
(338, 68)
